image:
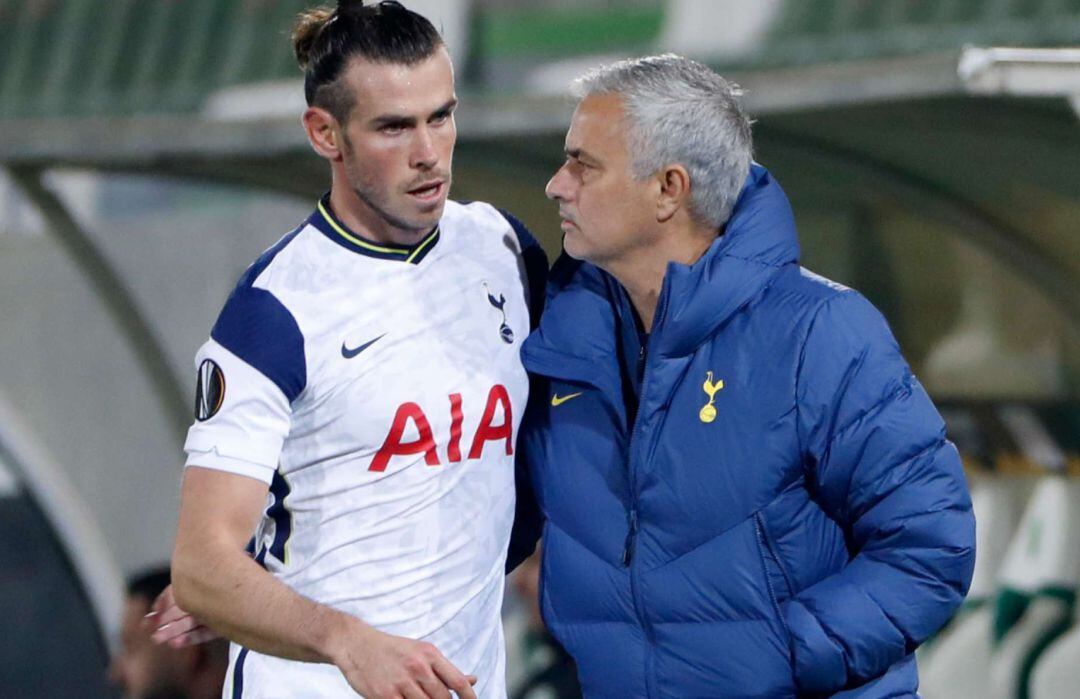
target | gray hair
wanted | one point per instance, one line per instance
(680, 111)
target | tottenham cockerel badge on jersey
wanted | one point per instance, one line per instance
(499, 304)
(209, 390)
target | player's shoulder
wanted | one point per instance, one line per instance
(814, 284)
(805, 288)
(292, 263)
(274, 256)
(256, 324)
(476, 213)
(486, 221)
(838, 314)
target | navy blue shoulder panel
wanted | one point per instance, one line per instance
(536, 267)
(256, 327)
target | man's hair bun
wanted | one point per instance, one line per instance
(309, 24)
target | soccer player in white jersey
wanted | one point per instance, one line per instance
(359, 398)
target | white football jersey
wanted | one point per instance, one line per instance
(378, 391)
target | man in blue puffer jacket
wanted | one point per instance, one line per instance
(746, 491)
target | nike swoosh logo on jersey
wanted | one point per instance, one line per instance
(557, 400)
(350, 353)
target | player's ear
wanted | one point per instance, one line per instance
(673, 191)
(323, 132)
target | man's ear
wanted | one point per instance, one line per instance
(674, 181)
(323, 132)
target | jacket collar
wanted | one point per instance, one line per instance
(758, 241)
(695, 301)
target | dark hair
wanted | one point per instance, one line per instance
(325, 38)
(149, 583)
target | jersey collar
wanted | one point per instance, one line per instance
(323, 218)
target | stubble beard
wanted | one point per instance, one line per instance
(368, 193)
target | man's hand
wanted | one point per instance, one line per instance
(380, 666)
(173, 626)
(218, 582)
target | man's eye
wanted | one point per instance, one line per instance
(392, 129)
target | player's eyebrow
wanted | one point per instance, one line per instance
(406, 121)
(581, 154)
(399, 120)
(446, 108)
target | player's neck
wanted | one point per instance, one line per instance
(642, 272)
(360, 218)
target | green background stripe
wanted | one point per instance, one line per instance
(568, 32)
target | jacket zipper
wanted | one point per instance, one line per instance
(628, 548)
(631, 537)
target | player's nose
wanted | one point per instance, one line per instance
(425, 154)
(558, 186)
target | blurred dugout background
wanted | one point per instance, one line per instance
(151, 149)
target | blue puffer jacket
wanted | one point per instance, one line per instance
(802, 542)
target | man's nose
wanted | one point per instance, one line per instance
(556, 186)
(424, 153)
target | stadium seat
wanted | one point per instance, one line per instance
(1057, 672)
(959, 663)
(1038, 578)
(1044, 619)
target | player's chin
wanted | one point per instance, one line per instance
(427, 214)
(574, 245)
(421, 221)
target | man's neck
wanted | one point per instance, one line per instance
(358, 216)
(642, 273)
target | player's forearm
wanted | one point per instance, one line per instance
(232, 594)
(215, 581)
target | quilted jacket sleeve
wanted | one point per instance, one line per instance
(528, 518)
(880, 466)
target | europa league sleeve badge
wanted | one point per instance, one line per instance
(209, 390)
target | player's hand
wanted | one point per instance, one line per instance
(172, 625)
(380, 666)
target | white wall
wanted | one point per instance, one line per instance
(70, 374)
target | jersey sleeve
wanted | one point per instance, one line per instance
(247, 376)
(528, 520)
(535, 263)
